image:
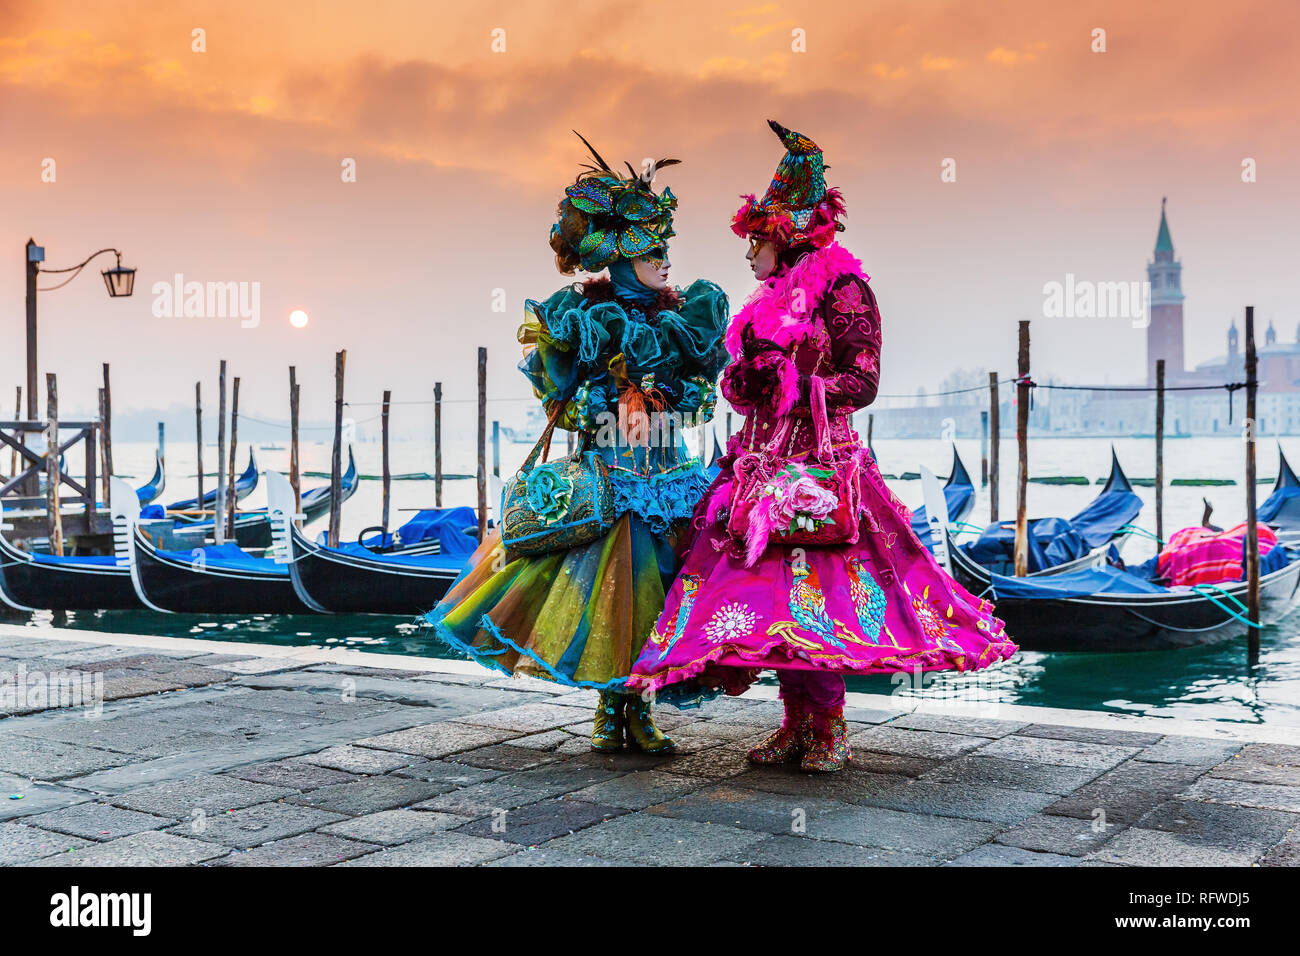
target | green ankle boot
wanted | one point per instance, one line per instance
(642, 734)
(607, 730)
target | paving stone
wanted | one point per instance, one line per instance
(1127, 792)
(993, 854)
(53, 759)
(444, 849)
(504, 757)
(715, 763)
(295, 774)
(869, 715)
(971, 801)
(1251, 767)
(658, 841)
(368, 795)
(532, 856)
(306, 849)
(539, 822)
(850, 785)
(870, 762)
(919, 833)
(33, 798)
(122, 688)
(1286, 853)
(360, 760)
(150, 848)
(97, 821)
(788, 850)
(1013, 774)
(636, 791)
(391, 827)
(441, 701)
(446, 773)
(749, 809)
(317, 705)
(1245, 794)
(1222, 826)
(888, 739)
(211, 793)
(1064, 836)
(547, 740)
(1061, 753)
(1195, 751)
(438, 740)
(255, 825)
(1092, 735)
(554, 779)
(1141, 847)
(482, 799)
(526, 718)
(1284, 755)
(20, 843)
(955, 724)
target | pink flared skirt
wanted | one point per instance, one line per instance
(881, 604)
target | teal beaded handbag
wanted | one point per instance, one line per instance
(556, 505)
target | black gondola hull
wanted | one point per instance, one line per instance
(1123, 623)
(191, 588)
(344, 584)
(28, 585)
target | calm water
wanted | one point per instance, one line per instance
(1213, 683)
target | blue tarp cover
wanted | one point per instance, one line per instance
(1090, 581)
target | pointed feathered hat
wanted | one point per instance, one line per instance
(605, 217)
(797, 208)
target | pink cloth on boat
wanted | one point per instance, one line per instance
(1202, 556)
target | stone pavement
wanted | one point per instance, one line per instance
(267, 756)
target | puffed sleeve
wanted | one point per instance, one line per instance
(852, 320)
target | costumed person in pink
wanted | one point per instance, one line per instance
(802, 560)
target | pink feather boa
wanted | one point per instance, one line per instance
(770, 311)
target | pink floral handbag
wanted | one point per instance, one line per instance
(813, 501)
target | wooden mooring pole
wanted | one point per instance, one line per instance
(482, 443)
(1252, 529)
(198, 439)
(162, 442)
(871, 427)
(234, 441)
(984, 448)
(108, 428)
(496, 448)
(995, 442)
(53, 511)
(387, 476)
(294, 475)
(1022, 450)
(103, 450)
(437, 444)
(1160, 453)
(219, 516)
(18, 416)
(336, 459)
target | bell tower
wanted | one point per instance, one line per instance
(1165, 332)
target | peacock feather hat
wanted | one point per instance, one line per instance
(798, 208)
(605, 217)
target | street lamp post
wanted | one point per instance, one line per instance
(118, 280)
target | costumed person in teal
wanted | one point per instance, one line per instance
(569, 584)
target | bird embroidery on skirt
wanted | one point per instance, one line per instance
(677, 625)
(868, 599)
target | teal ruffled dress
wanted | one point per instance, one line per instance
(581, 616)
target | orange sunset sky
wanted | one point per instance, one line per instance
(224, 165)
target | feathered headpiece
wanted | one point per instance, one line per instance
(619, 218)
(797, 208)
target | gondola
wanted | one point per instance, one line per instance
(1077, 543)
(958, 495)
(48, 582)
(1281, 509)
(148, 492)
(243, 487)
(1106, 609)
(217, 579)
(352, 579)
(253, 528)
